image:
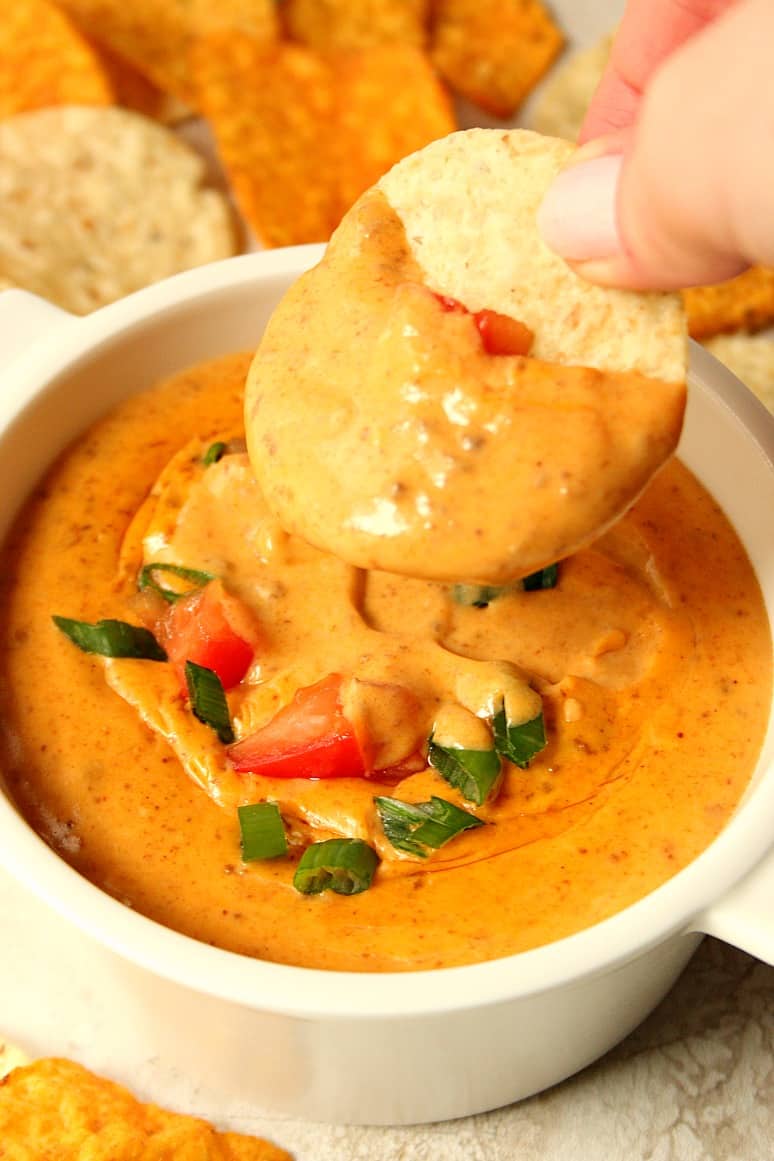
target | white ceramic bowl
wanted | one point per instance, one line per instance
(379, 1048)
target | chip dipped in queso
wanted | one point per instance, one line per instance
(321, 764)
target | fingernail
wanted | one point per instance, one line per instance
(577, 216)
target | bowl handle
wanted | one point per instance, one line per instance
(24, 320)
(743, 917)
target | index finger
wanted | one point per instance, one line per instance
(650, 31)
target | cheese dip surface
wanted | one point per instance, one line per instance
(650, 661)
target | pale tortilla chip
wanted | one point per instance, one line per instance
(565, 95)
(461, 180)
(493, 51)
(56, 1108)
(751, 358)
(45, 61)
(745, 303)
(341, 25)
(95, 203)
(157, 37)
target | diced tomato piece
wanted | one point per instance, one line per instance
(210, 627)
(309, 738)
(500, 334)
(503, 335)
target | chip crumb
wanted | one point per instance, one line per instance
(55, 1108)
(493, 51)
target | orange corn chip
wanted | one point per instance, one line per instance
(390, 104)
(343, 25)
(134, 91)
(271, 111)
(493, 51)
(156, 35)
(55, 1108)
(745, 303)
(301, 135)
(45, 61)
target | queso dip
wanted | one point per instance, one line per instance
(651, 659)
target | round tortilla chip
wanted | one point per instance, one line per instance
(751, 358)
(469, 203)
(96, 203)
(384, 430)
(564, 97)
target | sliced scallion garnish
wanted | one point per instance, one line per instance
(195, 577)
(477, 596)
(111, 638)
(262, 831)
(544, 578)
(474, 773)
(518, 743)
(208, 700)
(418, 827)
(214, 452)
(345, 866)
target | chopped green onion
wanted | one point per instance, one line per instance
(544, 578)
(214, 452)
(477, 596)
(262, 830)
(518, 743)
(208, 700)
(112, 638)
(474, 773)
(416, 827)
(147, 580)
(345, 866)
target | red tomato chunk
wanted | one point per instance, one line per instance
(211, 628)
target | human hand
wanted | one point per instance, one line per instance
(672, 185)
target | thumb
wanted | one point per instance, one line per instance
(682, 197)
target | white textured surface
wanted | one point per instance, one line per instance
(694, 1083)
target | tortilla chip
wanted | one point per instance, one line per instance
(157, 37)
(561, 107)
(493, 51)
(744, 303)
(272, 115)
(374, 133)
(341, 25)
(751, 358)
(45, 61)
(95, 203)
(56, 1108)
(301, 134)
(134, 91)
(574, 323)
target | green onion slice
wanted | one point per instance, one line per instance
(196, 579)
(544, 578)
(262, 831)
(214, 452)
(477, 596)
(112, 638)
(345, 866)
(518, 743)
(475, 773)
(418, 827)
(208, 700)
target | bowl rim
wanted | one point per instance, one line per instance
(312, 993)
